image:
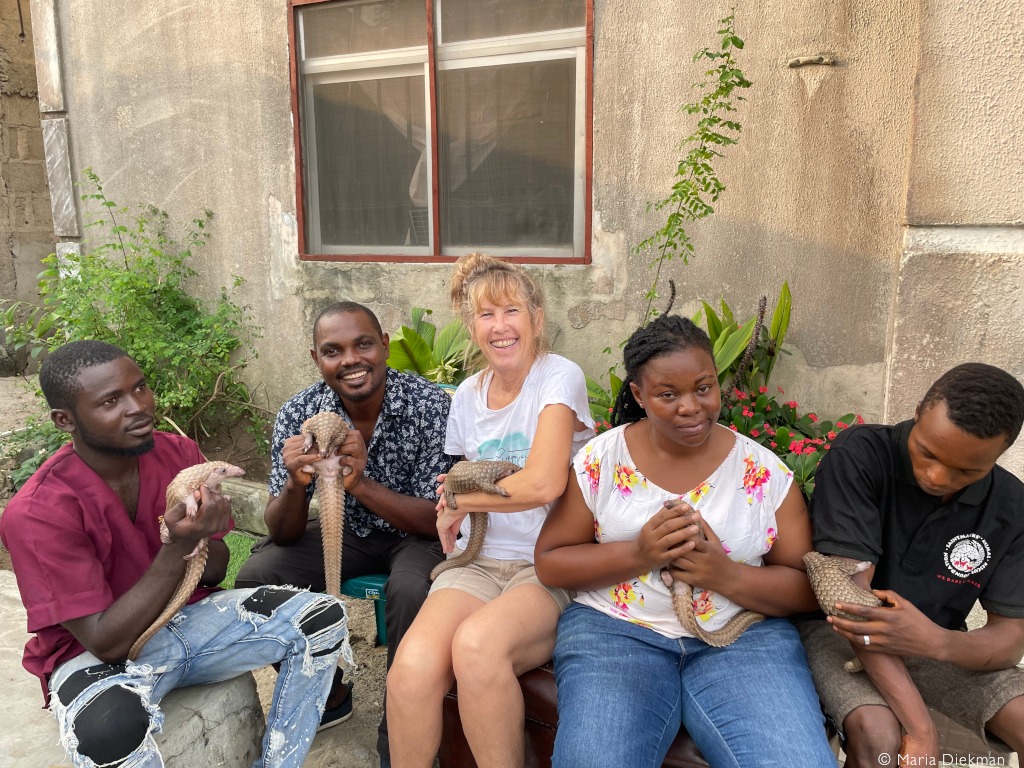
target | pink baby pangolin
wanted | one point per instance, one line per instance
(183, 489)
(328, 430)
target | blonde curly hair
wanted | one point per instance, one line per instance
(479, 278)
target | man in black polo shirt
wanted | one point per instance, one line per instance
(943, 527)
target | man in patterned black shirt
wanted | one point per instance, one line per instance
(394, 456)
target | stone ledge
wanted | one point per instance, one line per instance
(210, 725)
(248, 500)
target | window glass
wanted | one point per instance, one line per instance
(360, 27)
(463, 20)
(371, 161)
(507, 144)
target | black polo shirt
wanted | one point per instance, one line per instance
(941, 557)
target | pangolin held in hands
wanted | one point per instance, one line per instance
(832, 581)
(467, 477)
(183, 489)
(682, 602)
(328, 431)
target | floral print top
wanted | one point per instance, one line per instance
(738, 501)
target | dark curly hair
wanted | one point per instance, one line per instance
(980, 399)
(663, 335)
(343, 307)
(58, 375)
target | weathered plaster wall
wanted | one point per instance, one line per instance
(962, 266)
(26, 229)
(188, 106)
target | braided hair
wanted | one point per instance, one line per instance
(58, 375)
(662, 336)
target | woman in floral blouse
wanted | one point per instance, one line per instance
(628, 673)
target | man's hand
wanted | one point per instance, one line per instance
(296, 460)
(669, 533)
(353, 459)
(898, 628)
(212, 516)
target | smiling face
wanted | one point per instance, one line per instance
(680, 394)
(113, 411)
(944, 457)
(506, 333)
(351, 355)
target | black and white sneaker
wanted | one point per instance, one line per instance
(340, 713)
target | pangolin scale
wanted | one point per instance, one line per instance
(182, 489)
(682, 603)
(467, 477)
(832, 581)
(328, 431)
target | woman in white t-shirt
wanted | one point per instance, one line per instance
(486, 623)
(628, 673)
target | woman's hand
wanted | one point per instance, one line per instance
(669, 534)
(705, 563)
(448, 520)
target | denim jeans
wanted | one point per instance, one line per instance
(624, 690)
(107, 713)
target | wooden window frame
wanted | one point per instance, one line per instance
(436, 257)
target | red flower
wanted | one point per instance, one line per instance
(754, 433)
(740, 395)
(831, 435)
(762, 390)
(747, 411)
(841, 425)
(860, 419)
(781, 390)
(733, 428)
(773, 444)
(791, 403)
(812, 417)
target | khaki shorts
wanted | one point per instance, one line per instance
(966, 697)
(486, 578)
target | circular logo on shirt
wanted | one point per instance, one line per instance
(967, 554)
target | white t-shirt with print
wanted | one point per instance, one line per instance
(738, 501)
(478, 432)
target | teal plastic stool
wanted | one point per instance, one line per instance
(370, 588)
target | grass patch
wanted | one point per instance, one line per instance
(239, 545)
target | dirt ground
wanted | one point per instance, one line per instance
(349, 745)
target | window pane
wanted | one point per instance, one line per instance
(507, 154)
(371, 162)
(476, 19)
(376, 25)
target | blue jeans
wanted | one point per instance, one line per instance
(624, 690)
(107, 713)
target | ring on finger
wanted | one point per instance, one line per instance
(867, 640)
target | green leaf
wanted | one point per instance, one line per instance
(731, 350)
(714, 324)
(451, 342)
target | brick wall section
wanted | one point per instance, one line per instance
(26, 224)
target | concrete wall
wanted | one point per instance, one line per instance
(962, 265)
(916, 124)
(26, 228)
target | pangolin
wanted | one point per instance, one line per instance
(832, 581)
(682, 602)
(466, 477)
(183, 489)
(328, 430)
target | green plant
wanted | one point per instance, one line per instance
(800, 440)
(128, 288)
(742, 359)
(436, 356)
(602, 400)
(239, 548)
(697, 185)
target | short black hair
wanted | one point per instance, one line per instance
(342, 307)
(980, 399)
(663, 335)
(58, 375)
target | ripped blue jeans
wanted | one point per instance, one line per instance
(107, 713)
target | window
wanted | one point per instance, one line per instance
(432, 128)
